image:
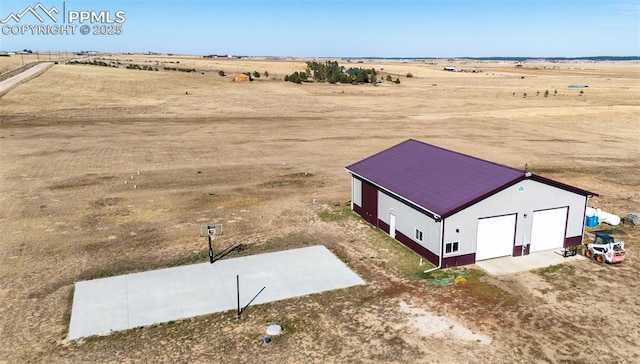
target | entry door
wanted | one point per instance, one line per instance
(370, 203)
(392, 225)
(549, 227)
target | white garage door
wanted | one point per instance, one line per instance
(548, 229)
(495, 237)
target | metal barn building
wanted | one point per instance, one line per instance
(454, 209)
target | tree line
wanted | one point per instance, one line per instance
(332, 72)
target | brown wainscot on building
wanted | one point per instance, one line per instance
(454, 209)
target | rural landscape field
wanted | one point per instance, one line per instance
(266, 159)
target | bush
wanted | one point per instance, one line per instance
(389, 78)
(295, 78)
(266, 74)
(409, 75)
(256, 74)
(221, 73)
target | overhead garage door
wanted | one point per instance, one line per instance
(548, 229)
(495, 237)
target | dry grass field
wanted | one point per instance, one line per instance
(254, 156)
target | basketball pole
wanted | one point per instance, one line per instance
(211, 234)
(238, 316)
(210, 250)
(241, 310)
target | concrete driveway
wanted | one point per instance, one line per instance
(508, 265)
(104, 305)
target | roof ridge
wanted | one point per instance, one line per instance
(464, 155)
(380, 152)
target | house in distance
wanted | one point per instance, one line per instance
(454, 209)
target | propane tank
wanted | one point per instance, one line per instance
(603, 216)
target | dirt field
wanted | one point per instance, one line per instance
(255, 156)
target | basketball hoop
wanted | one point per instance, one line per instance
(210, 231)
(205, 229)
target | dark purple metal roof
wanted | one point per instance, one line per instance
(439, 180)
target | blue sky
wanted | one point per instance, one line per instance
(347, 28)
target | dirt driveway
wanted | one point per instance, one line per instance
(35, 71)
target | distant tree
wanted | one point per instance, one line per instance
(546, 93)
(555, 92)
(397, 81)
(221, 73)
(537, 93)
(361, 77)
(266, 73)
(581, 92)
(256, 74)
(332, 72)
(389, 78)
(524, 95)
(409, 75)
(286, 78)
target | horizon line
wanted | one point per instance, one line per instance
(625, 57)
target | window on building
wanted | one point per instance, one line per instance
(418, 235)
(451, 247)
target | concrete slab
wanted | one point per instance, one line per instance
(104, 305)
(508, 265)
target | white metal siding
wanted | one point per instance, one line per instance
(495, 237)
(522, 198)
(408, 219)
(356, 192)
(548, 229)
